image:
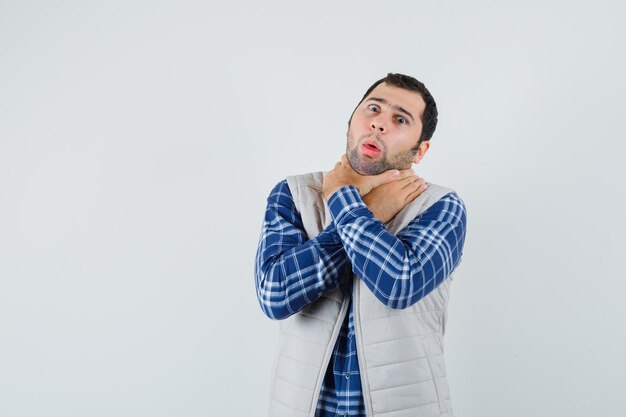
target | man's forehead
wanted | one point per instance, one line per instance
(410, 100)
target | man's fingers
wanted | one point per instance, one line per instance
(414, 182)
(418, 184)
(405, 174)
(414, 194)
(385, 177)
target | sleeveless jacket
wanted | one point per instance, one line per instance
(400, 352)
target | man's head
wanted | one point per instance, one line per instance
(391, 126)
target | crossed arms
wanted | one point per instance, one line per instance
(293, 271)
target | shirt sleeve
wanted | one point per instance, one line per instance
(291, 270)
(400, 269)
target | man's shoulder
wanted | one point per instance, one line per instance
(435, 199)
(448, 199)
(442, 201)
(294, 186)
(280, 195)
(436, 192)
(312, 180)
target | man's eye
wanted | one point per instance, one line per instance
(401, 120)
(372, 107)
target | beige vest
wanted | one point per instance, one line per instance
(400, 351)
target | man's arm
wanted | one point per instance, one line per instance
(291, 270)
(401, 269)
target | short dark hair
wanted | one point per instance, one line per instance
(429, 118)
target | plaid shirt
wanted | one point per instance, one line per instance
(292, 271)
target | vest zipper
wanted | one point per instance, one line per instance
(328, 355)
(360, 352)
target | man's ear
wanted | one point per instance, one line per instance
(421, 151)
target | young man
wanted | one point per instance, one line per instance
(357, 263)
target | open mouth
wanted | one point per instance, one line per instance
(370, 148)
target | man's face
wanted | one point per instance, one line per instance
(384, 128)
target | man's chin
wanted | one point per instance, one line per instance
(364, 167)
(370, 171)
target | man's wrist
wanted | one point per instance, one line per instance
(328, 193)
(331, 191)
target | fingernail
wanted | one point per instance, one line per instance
(395, 173)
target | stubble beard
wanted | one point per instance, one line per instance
(366, 166)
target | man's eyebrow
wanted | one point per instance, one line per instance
(395, 107)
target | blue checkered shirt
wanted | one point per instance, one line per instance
(293, 271)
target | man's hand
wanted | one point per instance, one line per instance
(386, 200)
(343, 174)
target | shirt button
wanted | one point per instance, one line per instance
(349, 337)
(348, 375)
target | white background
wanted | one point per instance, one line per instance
(140, 139)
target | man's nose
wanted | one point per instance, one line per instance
(379, 125)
